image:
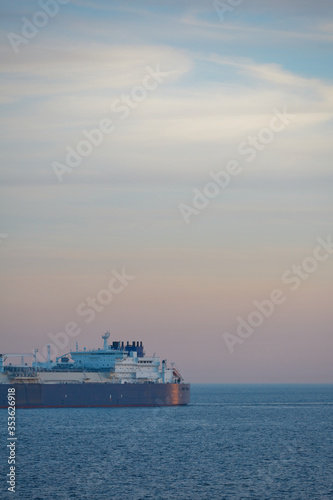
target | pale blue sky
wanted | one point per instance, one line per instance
(120, 206)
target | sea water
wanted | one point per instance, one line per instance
(232, 442)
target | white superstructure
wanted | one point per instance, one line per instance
(134, 369)
(116, 363)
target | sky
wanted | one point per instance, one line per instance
(165, 166)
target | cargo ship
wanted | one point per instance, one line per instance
(117, 374)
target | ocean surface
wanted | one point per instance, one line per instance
(233, 442)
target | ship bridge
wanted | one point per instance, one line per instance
(106, 357)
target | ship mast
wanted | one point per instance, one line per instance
(105, 338)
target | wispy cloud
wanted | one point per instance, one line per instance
(224, 80)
